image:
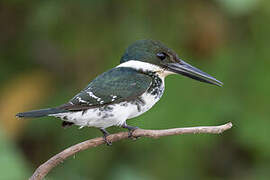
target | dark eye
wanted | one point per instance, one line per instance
(161, 55)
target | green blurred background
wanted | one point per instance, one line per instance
(50, 50)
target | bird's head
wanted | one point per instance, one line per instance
(156, 53)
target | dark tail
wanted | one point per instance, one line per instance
(40, 112)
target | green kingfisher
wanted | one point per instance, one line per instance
(125, 91)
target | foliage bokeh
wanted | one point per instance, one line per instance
(49, 50)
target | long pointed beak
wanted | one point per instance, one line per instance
(186, 69)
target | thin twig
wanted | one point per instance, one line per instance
(46, 167)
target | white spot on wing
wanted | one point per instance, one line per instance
(91, 94)
(81, 100)
(113, 98)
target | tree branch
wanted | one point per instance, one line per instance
(46, 167)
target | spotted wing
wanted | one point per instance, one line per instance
(116, 85)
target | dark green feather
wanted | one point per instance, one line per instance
(124, 83)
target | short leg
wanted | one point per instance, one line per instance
(131, 129)
(105, 134)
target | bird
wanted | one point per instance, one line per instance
(125, 91)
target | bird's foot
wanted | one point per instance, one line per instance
(131, 129)
(109, 143)
(105, 134)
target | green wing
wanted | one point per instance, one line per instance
(114, 86)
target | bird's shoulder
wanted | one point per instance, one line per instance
(113, 86)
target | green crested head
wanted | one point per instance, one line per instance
(149, 51)
(156, 53)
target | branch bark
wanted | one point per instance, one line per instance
(46, 167)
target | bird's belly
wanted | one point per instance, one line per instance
(103, 117)
(111, 115)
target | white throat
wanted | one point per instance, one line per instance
(144, 66)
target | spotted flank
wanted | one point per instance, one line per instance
(110, 115)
